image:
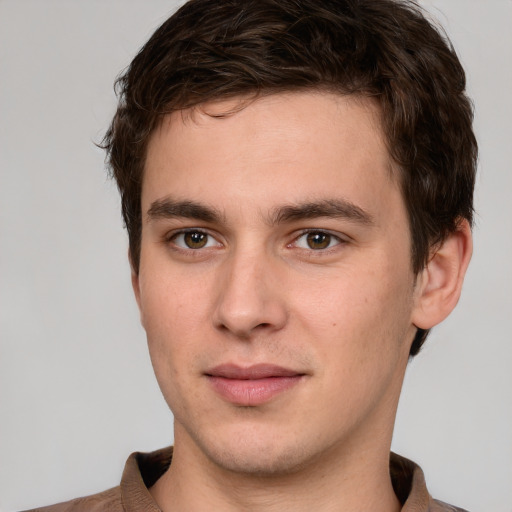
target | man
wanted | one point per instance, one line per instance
(296, 181)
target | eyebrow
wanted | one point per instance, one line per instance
(334, 208)
(168, 208)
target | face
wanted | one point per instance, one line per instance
(275, 282)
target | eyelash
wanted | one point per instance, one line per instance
(172, 237)
(332, 238)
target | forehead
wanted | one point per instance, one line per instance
(308, 109)
(296, 144)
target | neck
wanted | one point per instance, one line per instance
(353, 481)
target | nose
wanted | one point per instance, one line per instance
(250, 298)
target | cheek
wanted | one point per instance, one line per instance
(170, 301)
(171, 329)
(358, 332)
(166, 319)
(357, 312)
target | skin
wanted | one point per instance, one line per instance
(342, 315)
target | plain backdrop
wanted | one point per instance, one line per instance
(77, 392)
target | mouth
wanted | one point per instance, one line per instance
(253, 385)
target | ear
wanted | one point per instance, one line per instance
(439, 284)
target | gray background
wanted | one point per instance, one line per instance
(77, 392)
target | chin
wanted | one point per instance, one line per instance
(255, 462)
(258, 456)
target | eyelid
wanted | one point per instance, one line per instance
(171, 236)
(338, 237)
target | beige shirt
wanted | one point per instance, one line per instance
(142, 470)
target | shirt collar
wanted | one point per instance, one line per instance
(142, 470)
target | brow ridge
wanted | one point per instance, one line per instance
(167, 208)
(334, 208)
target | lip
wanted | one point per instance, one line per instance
(253, 385)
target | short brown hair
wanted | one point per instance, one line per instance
(385, 49)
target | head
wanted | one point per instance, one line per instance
(296, 179)
(385, 50)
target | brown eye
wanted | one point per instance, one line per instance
(317, 240)
(195, 239)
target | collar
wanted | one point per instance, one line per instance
(142, 470)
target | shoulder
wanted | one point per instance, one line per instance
(410, 487)
(441, 506)
(141, 471)
(106, 501)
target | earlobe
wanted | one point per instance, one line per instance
(440, 282)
